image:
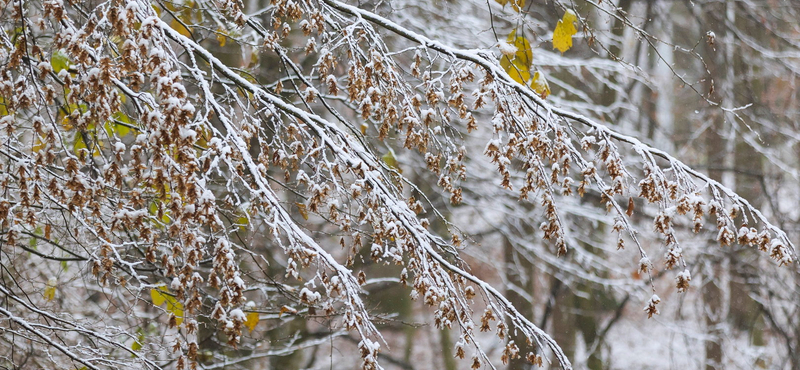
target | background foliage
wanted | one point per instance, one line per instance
(323, 184)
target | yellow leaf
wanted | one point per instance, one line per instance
(524, 54)
(175, 307)
(517, 72)
(251, 320)
(287, 309)
(50, 289)
(66, 111)
(39, 145)
(517, 5)
(303, 211)
(178, 26)
(540, 85)
(565, 29)
(569, 17)
(203, 136)
(518, 65)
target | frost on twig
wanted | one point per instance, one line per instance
(186, 187)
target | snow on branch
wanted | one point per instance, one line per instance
(156, 167)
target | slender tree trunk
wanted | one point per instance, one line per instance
(519, 276)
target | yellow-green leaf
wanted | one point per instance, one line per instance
(3, 107)
(113, 127)
(203, 136)
(50, 289)
(565, 29)
(80, 143)
(137, 344)
(391, 160)
(175, 307)
(251, 320)
(38, 145)
(539, 84)
(15, 34)
(157, 296)
(243, 220)
(59, 61)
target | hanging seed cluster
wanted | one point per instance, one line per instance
(134, 146)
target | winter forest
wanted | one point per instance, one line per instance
(404, 184)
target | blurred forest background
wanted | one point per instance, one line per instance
(713, 82)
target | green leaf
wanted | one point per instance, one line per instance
(33, 241)
(16, 33)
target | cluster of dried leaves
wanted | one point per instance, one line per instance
(133, 149)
